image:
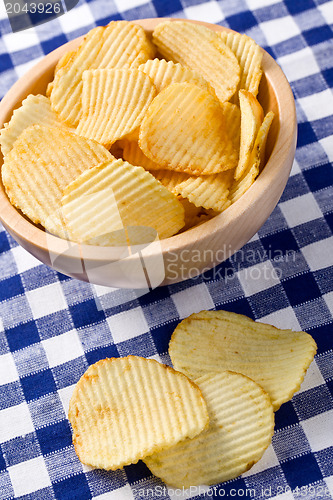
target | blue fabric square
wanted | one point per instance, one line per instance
(54, 437)
(86, 313)
(4, 243)
(328, 75)
(308, 85)
(21, 449)
(329, 220)
(11, 287)
(2, 461)
(312, 231)
(290, 442)
(226, 288)
(110, 351)
(62, 463)
(323, 337)
(317, 35)
(319, 177)
(325, 461)
(137, 472)
(37, 275)
(6, 487)
(240, 306)
(142, 345)
(285, 416)
(30, 359)
(54, 324)
(53, 43)
(102, 481)
(296, 186)
(70, 372)
(267, 484)
(250, 254)
(301, 289)
(157, 313)
(164, 9)
(162, 335)
(310, 403)
(279, 244)
(22, 336)
(268, 301)
(11, 394)
(231, 488)
(242, 22)
(305, 134)
(297, 6)
(5, 62)
(289, 46)
(46, 410)
(323, 127)
(294, 471)
(76, 485)
(37, 385)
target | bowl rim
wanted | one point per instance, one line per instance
(27, 231)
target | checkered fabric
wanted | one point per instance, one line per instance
(53, 327)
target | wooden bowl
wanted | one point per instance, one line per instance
(182, 256)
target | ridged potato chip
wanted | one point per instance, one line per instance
(202, 50)
(249, 56)
(124, 409)
(185, 130)
(275, 359)
(35, 109)
(41, 163)
(121, 44)
(117, 194)
(134, 155)
(257, 158)
(163, 73)
(241, 427)
(252, 116)
(114, 102)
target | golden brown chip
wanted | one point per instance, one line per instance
(202, 50)
(114, 102)
(241, 428)
(257, 159)
(185, 130)
(249, 56)
(163, 74)
(41, 163)
(252, 116)
(35, 109)
(124, 409)
(121, 44)
(275, 359)
(134, 155)
(117, 194)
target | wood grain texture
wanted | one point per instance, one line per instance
(184, 255)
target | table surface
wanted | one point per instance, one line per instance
(53, 327)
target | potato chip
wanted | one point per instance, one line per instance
(117, 194)
(41, 163)
(124, 409)
(163, 74)
(192, 214)
(35, 109)
(184, 130)
(114, 102)
(170, 179)
(257, 158)
(275, 359)
(121, 44)
(232, 117)
(252, 116)
(134, 155)
(249, 56)
(202, 50)
(241, 427)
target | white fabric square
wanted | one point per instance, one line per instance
(46, 300)
(327, 145)
(209, 12)
(8, 371)
(268, 460)
(318, 431)
(21, 69)
(65, 395)
(300, 210)
(313, 378)
(317, 106)
(63, 348)
(284, 319)
(258, 278)
(319, 254)
(123, 5)
(124, 493)
(15, 421)
(327, 11)
(24, 260)
(280, 29)
(19, 41)
(77, 18)
(259, 4)
(328, 297)
(329, 482)
(295, 169)
(29, 476)
(192, 300)
(299, 64)
(127, 324)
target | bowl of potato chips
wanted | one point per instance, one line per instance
(145, 152)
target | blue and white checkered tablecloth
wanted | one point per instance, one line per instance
(53, 327)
